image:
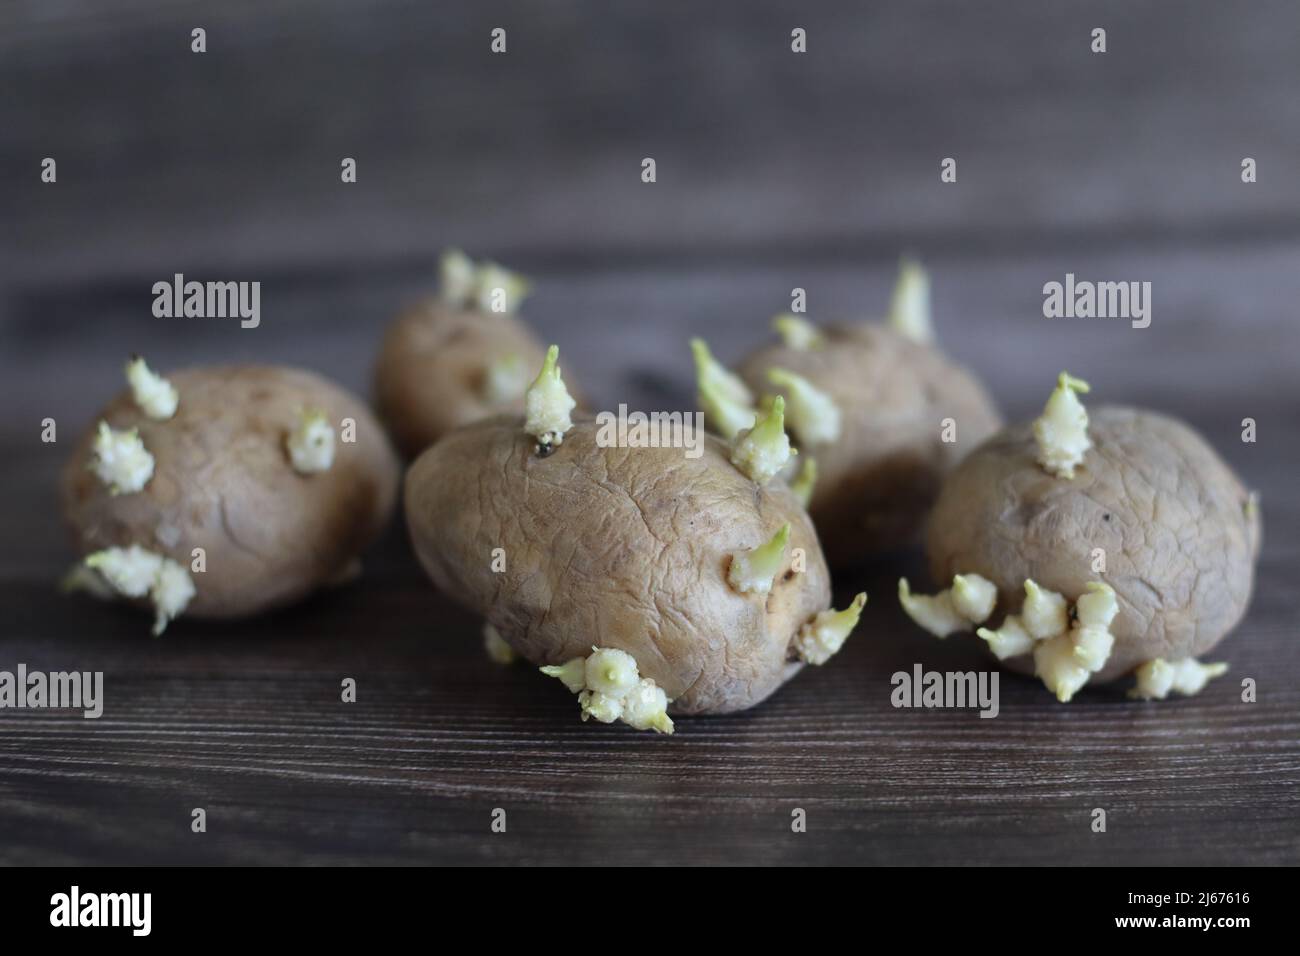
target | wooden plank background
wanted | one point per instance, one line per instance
(775, 170)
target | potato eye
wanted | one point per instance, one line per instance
(545, 450)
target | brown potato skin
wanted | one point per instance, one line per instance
(875, 484)
(617, 547)
(431, 368)
(223, 481)
(1170, 514)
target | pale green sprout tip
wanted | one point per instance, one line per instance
(1061, 432)
(170, 594)
(1067, 659)
(485, 286)
(1097, 606)
(610, 688)
(1009, 640)
(82, 579)
(968, 602)
(752, 572)
(934, 613)
(136, 572)
(311, 443)
(1045, 613)
(153, 394)
(814, 416)
(129, 571)
(572, 673)
(806, 481)
(646, 708)
(822, 637)
(547, 403)
(498, 651)
(612, 672)
(1058, 667)
(727, 416)
(973, 597)
(729, 384)
(600, 706)
(909, 308)
(497, 286)
(725, 400)
(762, 451)
(797, 333)
(1157, 678)
(456, 277)
(120, 460)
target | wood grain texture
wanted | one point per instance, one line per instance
(777, 174)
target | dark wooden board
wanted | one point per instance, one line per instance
(779, 173)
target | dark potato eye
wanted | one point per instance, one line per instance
(545, 451)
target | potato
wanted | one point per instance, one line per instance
(454, 359)
(1148, 511)
(435, 371)
(219, 473)
(879, 466)
(686, 565)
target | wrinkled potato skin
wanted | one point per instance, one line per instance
(432, 365)
(617, 547)
(877, 482)
(1180, 549)
(223, 481)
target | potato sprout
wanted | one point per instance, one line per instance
(498, 651)
(806, 481)
(968, 602)
(1065, 656)
(725, 400)
(1045, 613)
(311, 444)
(1157, 678)
(456, 277)
(548, 403)
(497, 289)
(798, 333)
(135, 572)
(909, 309)
(609, 688)
(572, 674)
(1062, 430)
(814, 416)
(153, 393)
(120, 460)
(1067, 660)
(484, 286)
(752, 572)
(822, 637)
(762, 451)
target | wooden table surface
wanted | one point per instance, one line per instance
(775, 170)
